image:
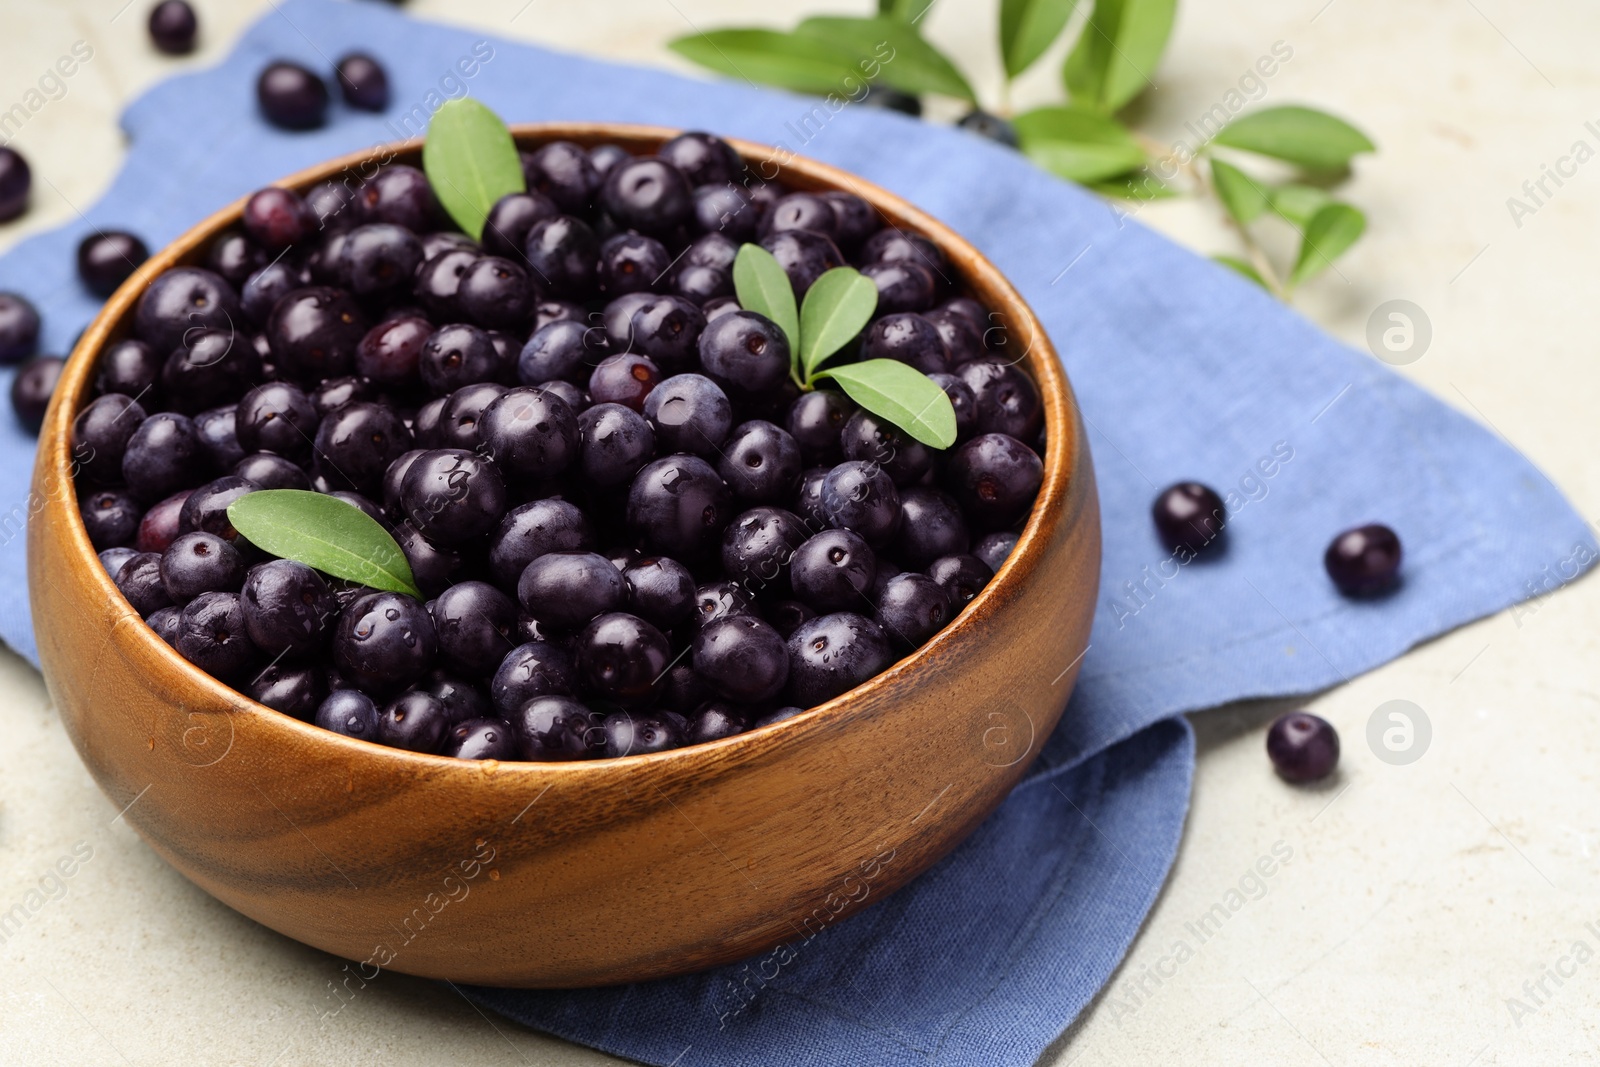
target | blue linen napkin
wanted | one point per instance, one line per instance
(1182, 371)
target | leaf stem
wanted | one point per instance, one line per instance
(1258, 257)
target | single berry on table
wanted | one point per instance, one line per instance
(1189, 516)
(173, 27)
(291, 97)
(363, 82)
(31, 389)
(107, 257)
(15, 181)
(1364, 561)
(1303, 747)
(990, 127)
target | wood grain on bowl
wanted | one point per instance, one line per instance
(573, 874)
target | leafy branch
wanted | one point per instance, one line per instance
(837, 307)
(1087, 138)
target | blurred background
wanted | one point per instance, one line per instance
(1418, 898)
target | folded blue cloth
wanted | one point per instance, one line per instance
(1182, 371)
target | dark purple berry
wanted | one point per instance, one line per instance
(496, 294)
(462, 412)
(380, 259)
(639, 735)
(562, 350)
(198, 563)
(911, 609)
(855, 220)
(292, 97)
(745, 351)
(702, 158)
(625, 379)
(1364, 561)
(363, 82)
(563, 172)
(384, 642)
(632, 263)
(314, 333)
(401, 195)
(660, 591)
(163, 456)
(474, 621)
(505, 231)
(172, 27)
(19, 326)
(277, 417)
(994, 478)
(481, 739)
(289, 610)
(110, 517)
(648, 195)
(931, 526)
(1303, 747)
(415, 721)
(1188, 516)
(993, 548)
(356, 443)
(292, 689)
(15, 181)
(567, 589)
(139, 580)
(534, 669)
(761, 463)
(555, 728)
(757, 548)
(32, 387)
(834, 571)
(211, 635)
(860, 496)
(180, 300)
(725, 209)
(159, 526)
(833, 654)
(532, 530)
(881, 96)
(742, 658)
(909, 338)
(458, 355)
(678, 505)
(962, 402)
(349, 712)
(621, 657)
(689, 413)
(902, 286)
(107, 257)
(990, 127)
(802, 211)
(961, 577)
(564, 255)
(529, 433)
(452, 496)
(720, 600)
(614, 443)
(1007, 400)
(388, 354)
(804, 256)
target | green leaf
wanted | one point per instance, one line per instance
(1239, 266)
(1027, 29)
(799, 61)
(903, 395)
(326, 533)
(892, 50)
(1241, 194)
(1077, 144)
(1300, 135)
(763, 287)
(905, 10)
(1137, 185)
(471, 162)
(1298, 203)
(1115, 57)
(1330, 231)
(836, 308)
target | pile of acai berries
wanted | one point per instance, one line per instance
(633, 528)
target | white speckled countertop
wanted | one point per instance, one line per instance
(1416, 901)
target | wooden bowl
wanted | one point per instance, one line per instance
(570, 874)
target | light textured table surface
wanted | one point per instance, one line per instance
(1417, 899)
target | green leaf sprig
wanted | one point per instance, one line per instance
(471, 162)
(837, 307)
(324, 533)
(1113, 54)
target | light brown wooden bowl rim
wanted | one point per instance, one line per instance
(976, 272)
